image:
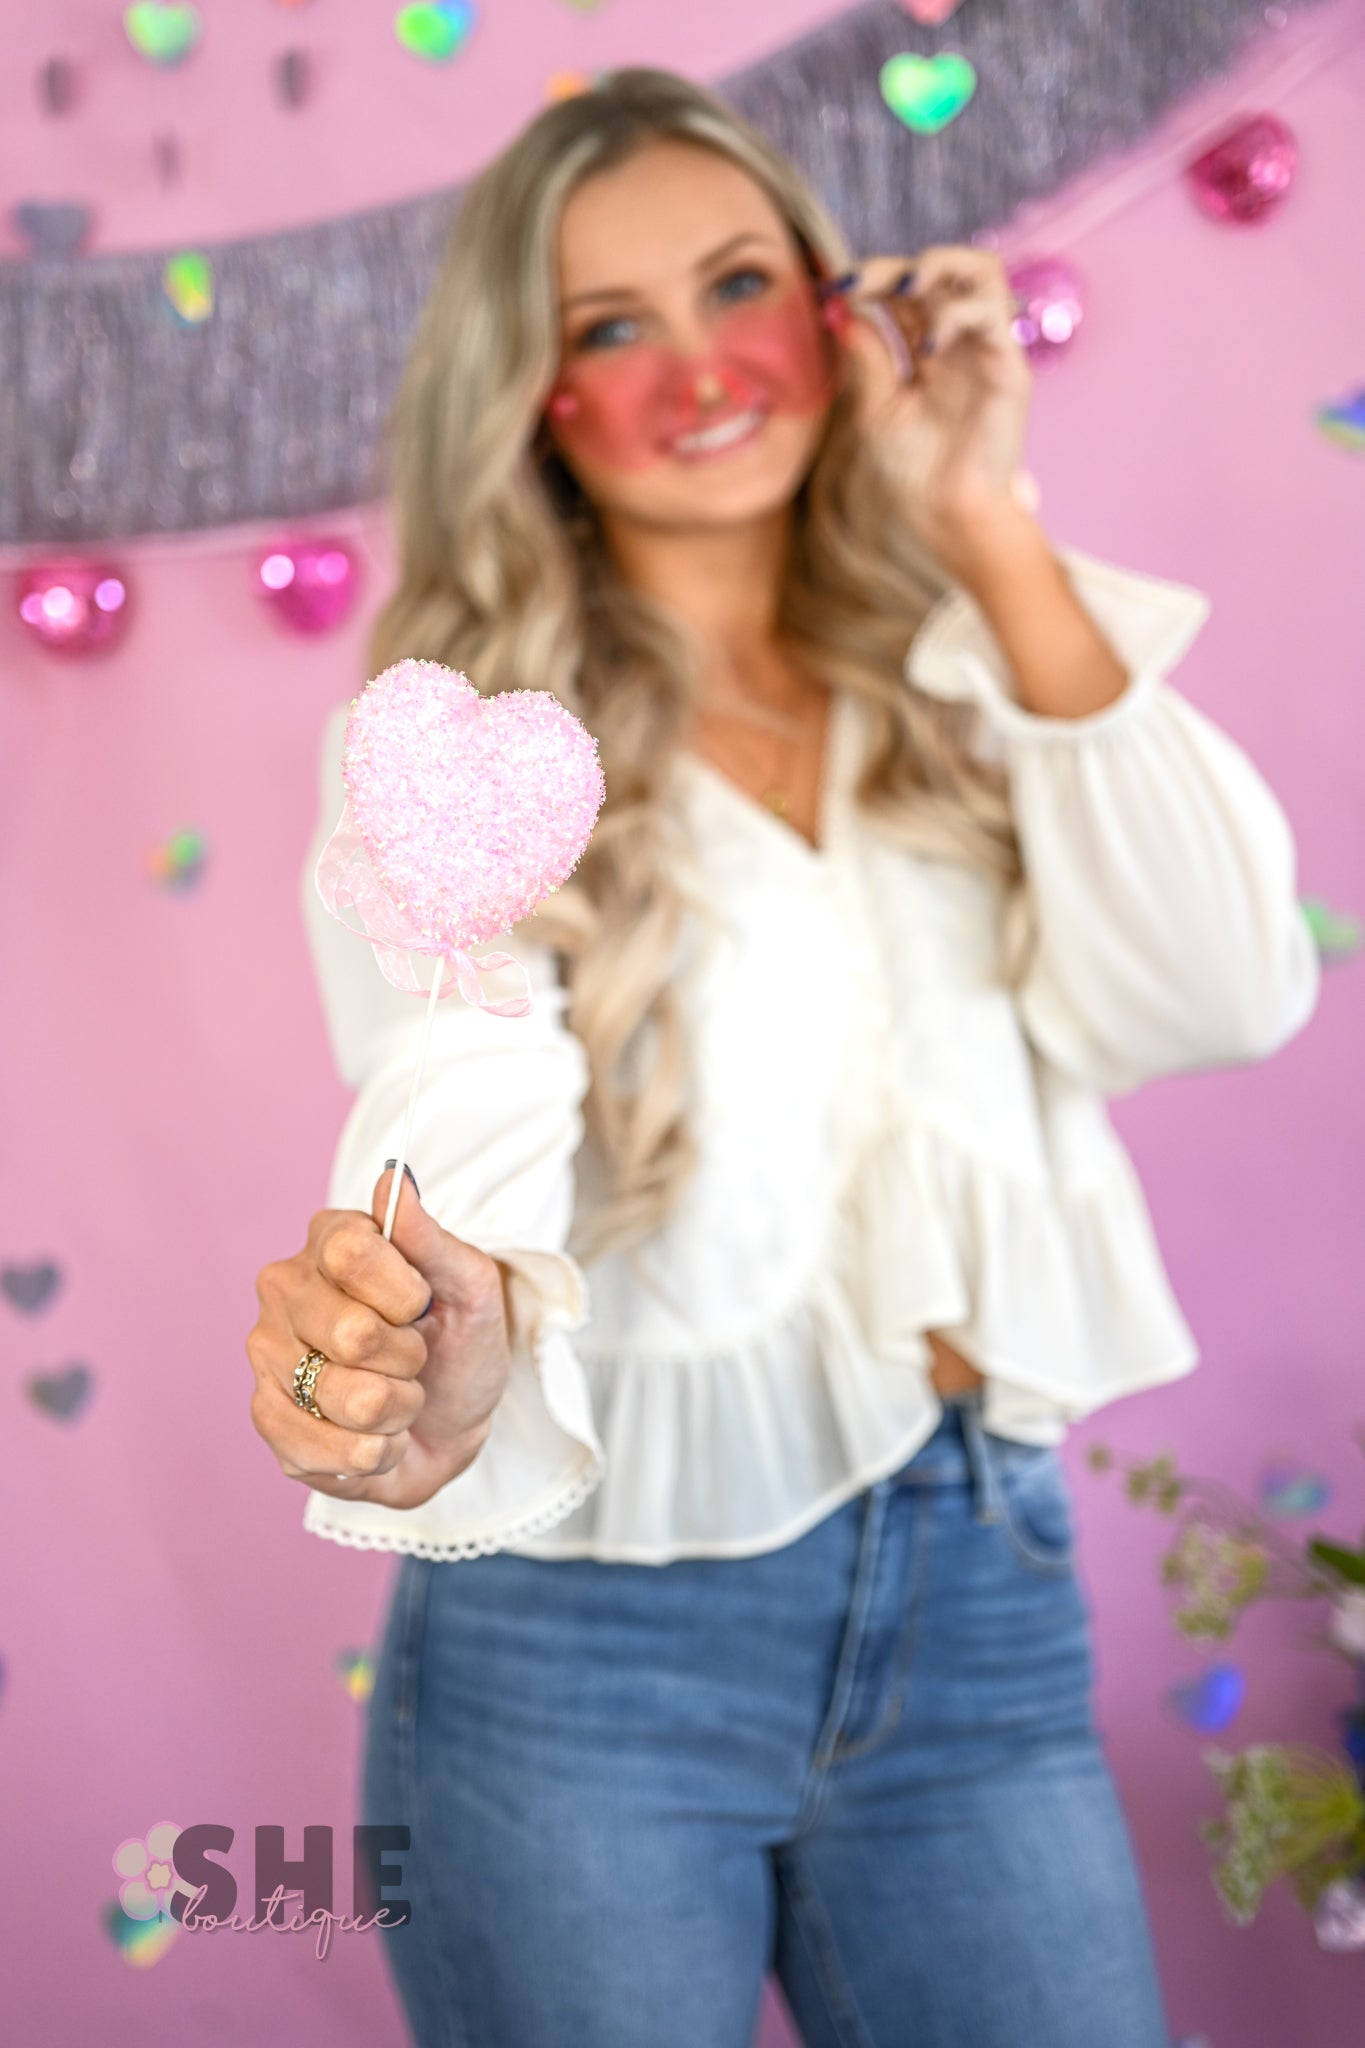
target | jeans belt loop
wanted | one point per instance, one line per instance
(985, 1478)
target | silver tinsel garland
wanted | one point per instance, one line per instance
(115, 419)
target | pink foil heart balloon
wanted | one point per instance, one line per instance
(74, 607)
(1049, 306)
(931, 13)
(310, 584)
(1247, 172)
(462, 813)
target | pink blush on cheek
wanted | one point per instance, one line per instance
(781, 346)
(623, 402)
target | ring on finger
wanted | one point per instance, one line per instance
(305, 1379)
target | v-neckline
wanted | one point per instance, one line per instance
(831, 779)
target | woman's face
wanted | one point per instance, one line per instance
(695, 371)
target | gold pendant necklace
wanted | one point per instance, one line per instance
(784, 731)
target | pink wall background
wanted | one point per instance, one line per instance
(168, 1632)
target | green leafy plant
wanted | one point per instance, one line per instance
(1290, 1811)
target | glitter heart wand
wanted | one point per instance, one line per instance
(463, 812)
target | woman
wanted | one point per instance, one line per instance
(737, 1627)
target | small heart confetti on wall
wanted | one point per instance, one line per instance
(62, 1394)
(1338, 937)
(162, 33)
(293, 74)
(140, 1942)
(179, 862)
(566, 85)
(355, 1669)
(57, 85)
(1287, 1494)
(926, 93)
(931, 13)
(434, 29)
(56, 227)
(1344, 422)
(1211, 1701)
(187, 281)
(29, 1288)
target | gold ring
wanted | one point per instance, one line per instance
(305, 1379)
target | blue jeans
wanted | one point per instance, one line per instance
(865, 1761)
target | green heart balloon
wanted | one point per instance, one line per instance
(187, 281)
(163, 34)
(433, 29)
(927, 92)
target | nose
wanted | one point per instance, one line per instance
(712, 384)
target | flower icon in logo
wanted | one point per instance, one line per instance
(149, 1876)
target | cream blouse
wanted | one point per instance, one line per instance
(890, 1141)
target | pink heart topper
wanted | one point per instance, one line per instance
(463, 812)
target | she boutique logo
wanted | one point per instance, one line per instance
(170, 1871)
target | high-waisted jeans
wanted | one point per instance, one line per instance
(865, 1761)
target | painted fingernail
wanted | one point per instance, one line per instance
(904, 283)
(833, 285)
(390, 1163)
(431, 1303)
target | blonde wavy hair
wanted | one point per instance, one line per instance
(502, 573)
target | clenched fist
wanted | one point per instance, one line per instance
(415, 1335)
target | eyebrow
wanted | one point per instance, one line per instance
(622, 291)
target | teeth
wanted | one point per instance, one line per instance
(719, 436)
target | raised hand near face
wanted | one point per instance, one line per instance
(943, 387)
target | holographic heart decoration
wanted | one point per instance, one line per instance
(293, 74)
(1338, 937)
(178, 864)
(355, 1669)
(62, 1394)
(1287, 1493)
(1211, 1701)
(30, 1288)
(310, 584)
(1344, 422)
(139, 1942)
(187, 281)
(76, 607)
(1246, 173)
(58, 227)
(57, 85)
(1049, 306)
(163, 34)
(926, 93)
(434, 29)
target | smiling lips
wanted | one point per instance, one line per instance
(719, 438)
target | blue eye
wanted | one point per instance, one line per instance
(738, 285)
(604, 333)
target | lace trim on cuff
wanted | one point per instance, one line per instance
(475, 1546)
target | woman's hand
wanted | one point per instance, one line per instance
(944, 393)
(415, 1335)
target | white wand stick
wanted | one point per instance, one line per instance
(412, 1096)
